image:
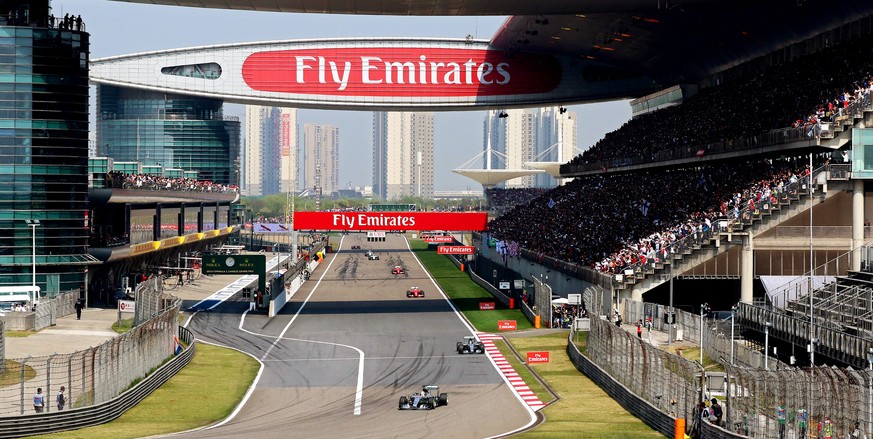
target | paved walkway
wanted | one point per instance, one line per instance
(71, 335)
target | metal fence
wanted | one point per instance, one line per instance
(94, 375)
(48, 311)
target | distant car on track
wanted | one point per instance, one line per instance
(356, 247)
(428, 399)
(469, 345)
(398, 270)
(415, 292)
(373, 256)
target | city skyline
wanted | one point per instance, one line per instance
(120, 28)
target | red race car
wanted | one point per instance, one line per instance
(415, 292)
(398, 270)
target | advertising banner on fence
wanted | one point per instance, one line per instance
(126, 306)
(389, 221)
(486, 305)
(538, 357)
(270, 228)
(506, 325)
(439, 239)
(455, 250)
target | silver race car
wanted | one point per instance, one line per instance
(428, 399)
(470, 346)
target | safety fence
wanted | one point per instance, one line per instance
(48, 310)
(95, 375)
(75, 418)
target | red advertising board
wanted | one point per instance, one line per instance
(439, 239)
(456, 250)
(486, 305)
(506, 325)
(538, 357)
(389, 221)
(401, 71)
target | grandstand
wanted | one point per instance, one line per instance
(724, 189)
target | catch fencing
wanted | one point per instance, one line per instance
(48, 311)
(95, 375)
(753, 398)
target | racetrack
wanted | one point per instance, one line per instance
(351, 344)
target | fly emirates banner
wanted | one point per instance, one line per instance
(389, 221)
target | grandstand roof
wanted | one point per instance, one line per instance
(493, 177)
(551, 168)
(666, 41)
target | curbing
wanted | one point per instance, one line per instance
(30, 425)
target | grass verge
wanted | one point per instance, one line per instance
(584, 410)
(464, 293)
(123, 326)
(523, 372)
(211, 368)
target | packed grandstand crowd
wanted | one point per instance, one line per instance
(159, 183)
(800, 94)
(501, 200)
(612, 221)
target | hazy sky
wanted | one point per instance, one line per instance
(119, 28)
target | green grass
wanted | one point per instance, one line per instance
(20, 333)
(180, 404)
(693, 354)
(523, 372)
(584, 409)
(126, 325)
(465, 294)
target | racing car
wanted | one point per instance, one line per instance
(398, 270)
(356, 247)
(428, 399)
(372, 256)
(470, 346)
(415, 292)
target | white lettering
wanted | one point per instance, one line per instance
(454, 76)
(501, 70)
(344, 81)
(321, 70)
(434, 66)
(422, 71)
(483, 71)
(468, 69)
(301, 66)
(400, 70)
(366, 67)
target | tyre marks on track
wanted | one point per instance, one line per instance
(508, 372)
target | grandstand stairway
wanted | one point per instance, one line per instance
(644, 278)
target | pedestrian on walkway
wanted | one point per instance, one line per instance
(38, 401)
(61, 399)
(640, 329)
(79, 306)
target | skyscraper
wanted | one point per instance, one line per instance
(403, 145)
(271, 149)
(44, 138)
(530, 135)
(173, 131)
(321, 157)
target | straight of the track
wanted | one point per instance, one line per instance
(349, 344)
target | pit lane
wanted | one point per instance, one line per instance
(339, 356)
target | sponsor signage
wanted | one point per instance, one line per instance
(270, 228)
(455, 250)
(126, 306)
(503, 285)
(376, 234)
(236, 264)
(518, 284)
(401, 71)
(389, 221)
(574, 299)
(486, 305)
(440, 239)
(538, 357)
(506, 325)
(145, 247)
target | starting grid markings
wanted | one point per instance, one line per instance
(506, 369)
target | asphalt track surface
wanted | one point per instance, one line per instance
(339, 356)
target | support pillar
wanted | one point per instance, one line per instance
(747, 281)
(857, 223)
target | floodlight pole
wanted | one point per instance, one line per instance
(33, 224)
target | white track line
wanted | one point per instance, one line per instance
(531, 412)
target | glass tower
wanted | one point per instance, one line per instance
(43, 148)
(174, 131)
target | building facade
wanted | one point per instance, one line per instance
(174, 131)
(321, 158)
(43, 150)
(403, 155)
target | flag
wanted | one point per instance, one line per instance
(701, 152)
(644, 207)
(551, 203)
